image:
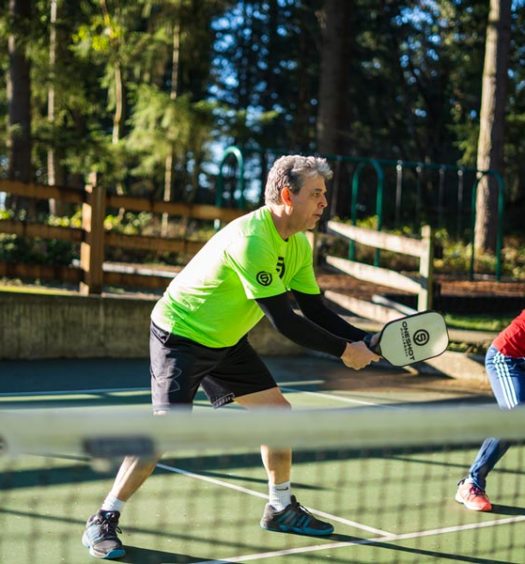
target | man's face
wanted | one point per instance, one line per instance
(309, 203)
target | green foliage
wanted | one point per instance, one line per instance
(66, 221)
(457, 257)
(456, 254)
(249, 73)
(161, 125)
(128, 223)
(478, 322)
(6, 214)
(478, 349)
(36, 251)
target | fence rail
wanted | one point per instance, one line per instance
(94, 238)
(92, 275)
(421, 285)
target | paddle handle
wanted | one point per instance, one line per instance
(368, 342)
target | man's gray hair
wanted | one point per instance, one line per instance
(292, 171)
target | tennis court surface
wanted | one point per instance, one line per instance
(377, 454)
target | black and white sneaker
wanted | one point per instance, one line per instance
(294, 518)
(100, 535)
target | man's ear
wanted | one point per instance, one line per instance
(286, 196)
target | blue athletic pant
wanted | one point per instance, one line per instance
(507, 378)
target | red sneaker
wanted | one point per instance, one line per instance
(472, 497)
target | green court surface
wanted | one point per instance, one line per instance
(394, 506)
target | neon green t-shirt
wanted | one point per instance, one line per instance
(212, 300)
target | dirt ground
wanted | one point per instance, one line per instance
(329, 280)
(385, 379)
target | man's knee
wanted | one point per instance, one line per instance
(272, 397)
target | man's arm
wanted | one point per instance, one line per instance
(314, 308)
(310, 335)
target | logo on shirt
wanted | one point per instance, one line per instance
(280, 266)
(264, 278)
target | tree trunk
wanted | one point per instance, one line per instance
(119, 114)
(19, 101)
(54, 170)
(168, 166)
(492, 119)
(333, 118)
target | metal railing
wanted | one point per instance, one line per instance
(413, 182)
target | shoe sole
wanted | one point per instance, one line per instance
(116, 553)
(308, 532)
(459, 499)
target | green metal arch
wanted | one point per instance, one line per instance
(237, 153)
(379, 199)
(379, 166)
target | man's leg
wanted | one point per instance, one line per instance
(277, 462)
(132, 473)
(173, 367)
(100, 534)
(283, 513)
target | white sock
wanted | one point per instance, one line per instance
(280, 495)
(112, 503)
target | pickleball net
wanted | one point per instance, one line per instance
(384, 477)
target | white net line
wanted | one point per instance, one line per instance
(43, 431)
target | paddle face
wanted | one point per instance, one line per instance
(413, 338)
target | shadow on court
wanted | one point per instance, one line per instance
(56, 375)
(144, 556)
(416, 552)
(134, 554)
(221, 467)
(507, 510)
(309, 381)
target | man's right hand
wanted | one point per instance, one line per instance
(357, 355)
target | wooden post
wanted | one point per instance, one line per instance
(92, 247)
(313, 238)
(426, 270)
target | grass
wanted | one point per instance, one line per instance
(35, 289)
(478, 322)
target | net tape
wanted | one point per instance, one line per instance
(115, 433)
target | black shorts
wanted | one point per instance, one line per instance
(179, 365)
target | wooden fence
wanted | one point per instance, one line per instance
(421, 285)
(94, 238)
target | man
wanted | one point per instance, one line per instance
(505, 366)
(199, 327)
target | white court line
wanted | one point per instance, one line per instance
(114, 390)
(386, 538)
(264, 496)
(335, 397)
(301, 382)
(73, 392)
